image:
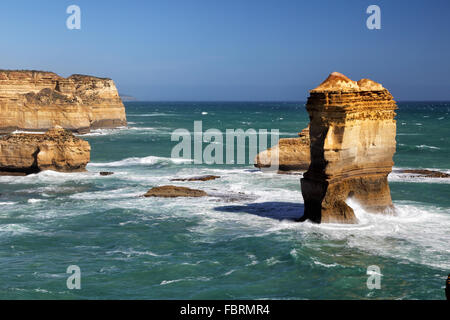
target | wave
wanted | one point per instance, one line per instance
(136, 161)
(113, 131)
(35, 200)
(421, 233)
(131, 252)
(152, 115)
(122, 193)
(415, 234)
(14, 229)
(398, 176)
(409, 134)
(195, 279)
(424, 146)
(332, 265)
(49, 176)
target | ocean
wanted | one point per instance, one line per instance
(241, 242)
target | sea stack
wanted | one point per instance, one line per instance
(352, 132)
(57, 150)
(38, 100)
(293, 153)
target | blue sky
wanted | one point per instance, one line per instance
(233, 50)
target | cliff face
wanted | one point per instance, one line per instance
(36, 100)
(293, 153)
(57, 150)
(352, 132)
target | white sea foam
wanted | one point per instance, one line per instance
(35, 200)
(14, 229)
(229, 272)
(150, 160)
(153, 115)
(409, 134)
(101, 132)
(416, 234)
(108, 194)
(130, 252)
(49, 176)
(123, 130)
(332, 265)
(195, 279)
(424, 146)
(398, 176)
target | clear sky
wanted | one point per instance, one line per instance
(233, 50)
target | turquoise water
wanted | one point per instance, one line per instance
(241, 242)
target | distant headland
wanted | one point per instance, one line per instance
(38, 100)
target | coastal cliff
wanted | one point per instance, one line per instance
(352, 133)
(38, 100)
(57, 149)
(293, 153)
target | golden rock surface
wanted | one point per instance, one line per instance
(352, 133)
(38, 100)
(57, 149)
(293, 153)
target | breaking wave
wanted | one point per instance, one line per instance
(136, 161)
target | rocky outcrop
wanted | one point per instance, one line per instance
(37, 101)
(293, 153)
(426, 173)
(106, 173)
(174, 191)
(57, 150)
(352, 132)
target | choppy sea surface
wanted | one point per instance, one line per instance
(240, 243)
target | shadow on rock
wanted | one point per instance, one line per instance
(275, 210)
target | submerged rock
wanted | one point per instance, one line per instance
(293, 153)
(174, 191)
(57, 150)
(106, 173)
(352, 131)
(38, 100)
(199, 178)
(427, 173)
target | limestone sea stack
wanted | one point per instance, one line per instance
(293, 153)
(57, 149)
(352, 132)
(38, 100)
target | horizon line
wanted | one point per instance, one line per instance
(287, 101)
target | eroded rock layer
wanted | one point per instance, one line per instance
(352, 132)
(37, 100)
(293, 153)
(57, 149)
